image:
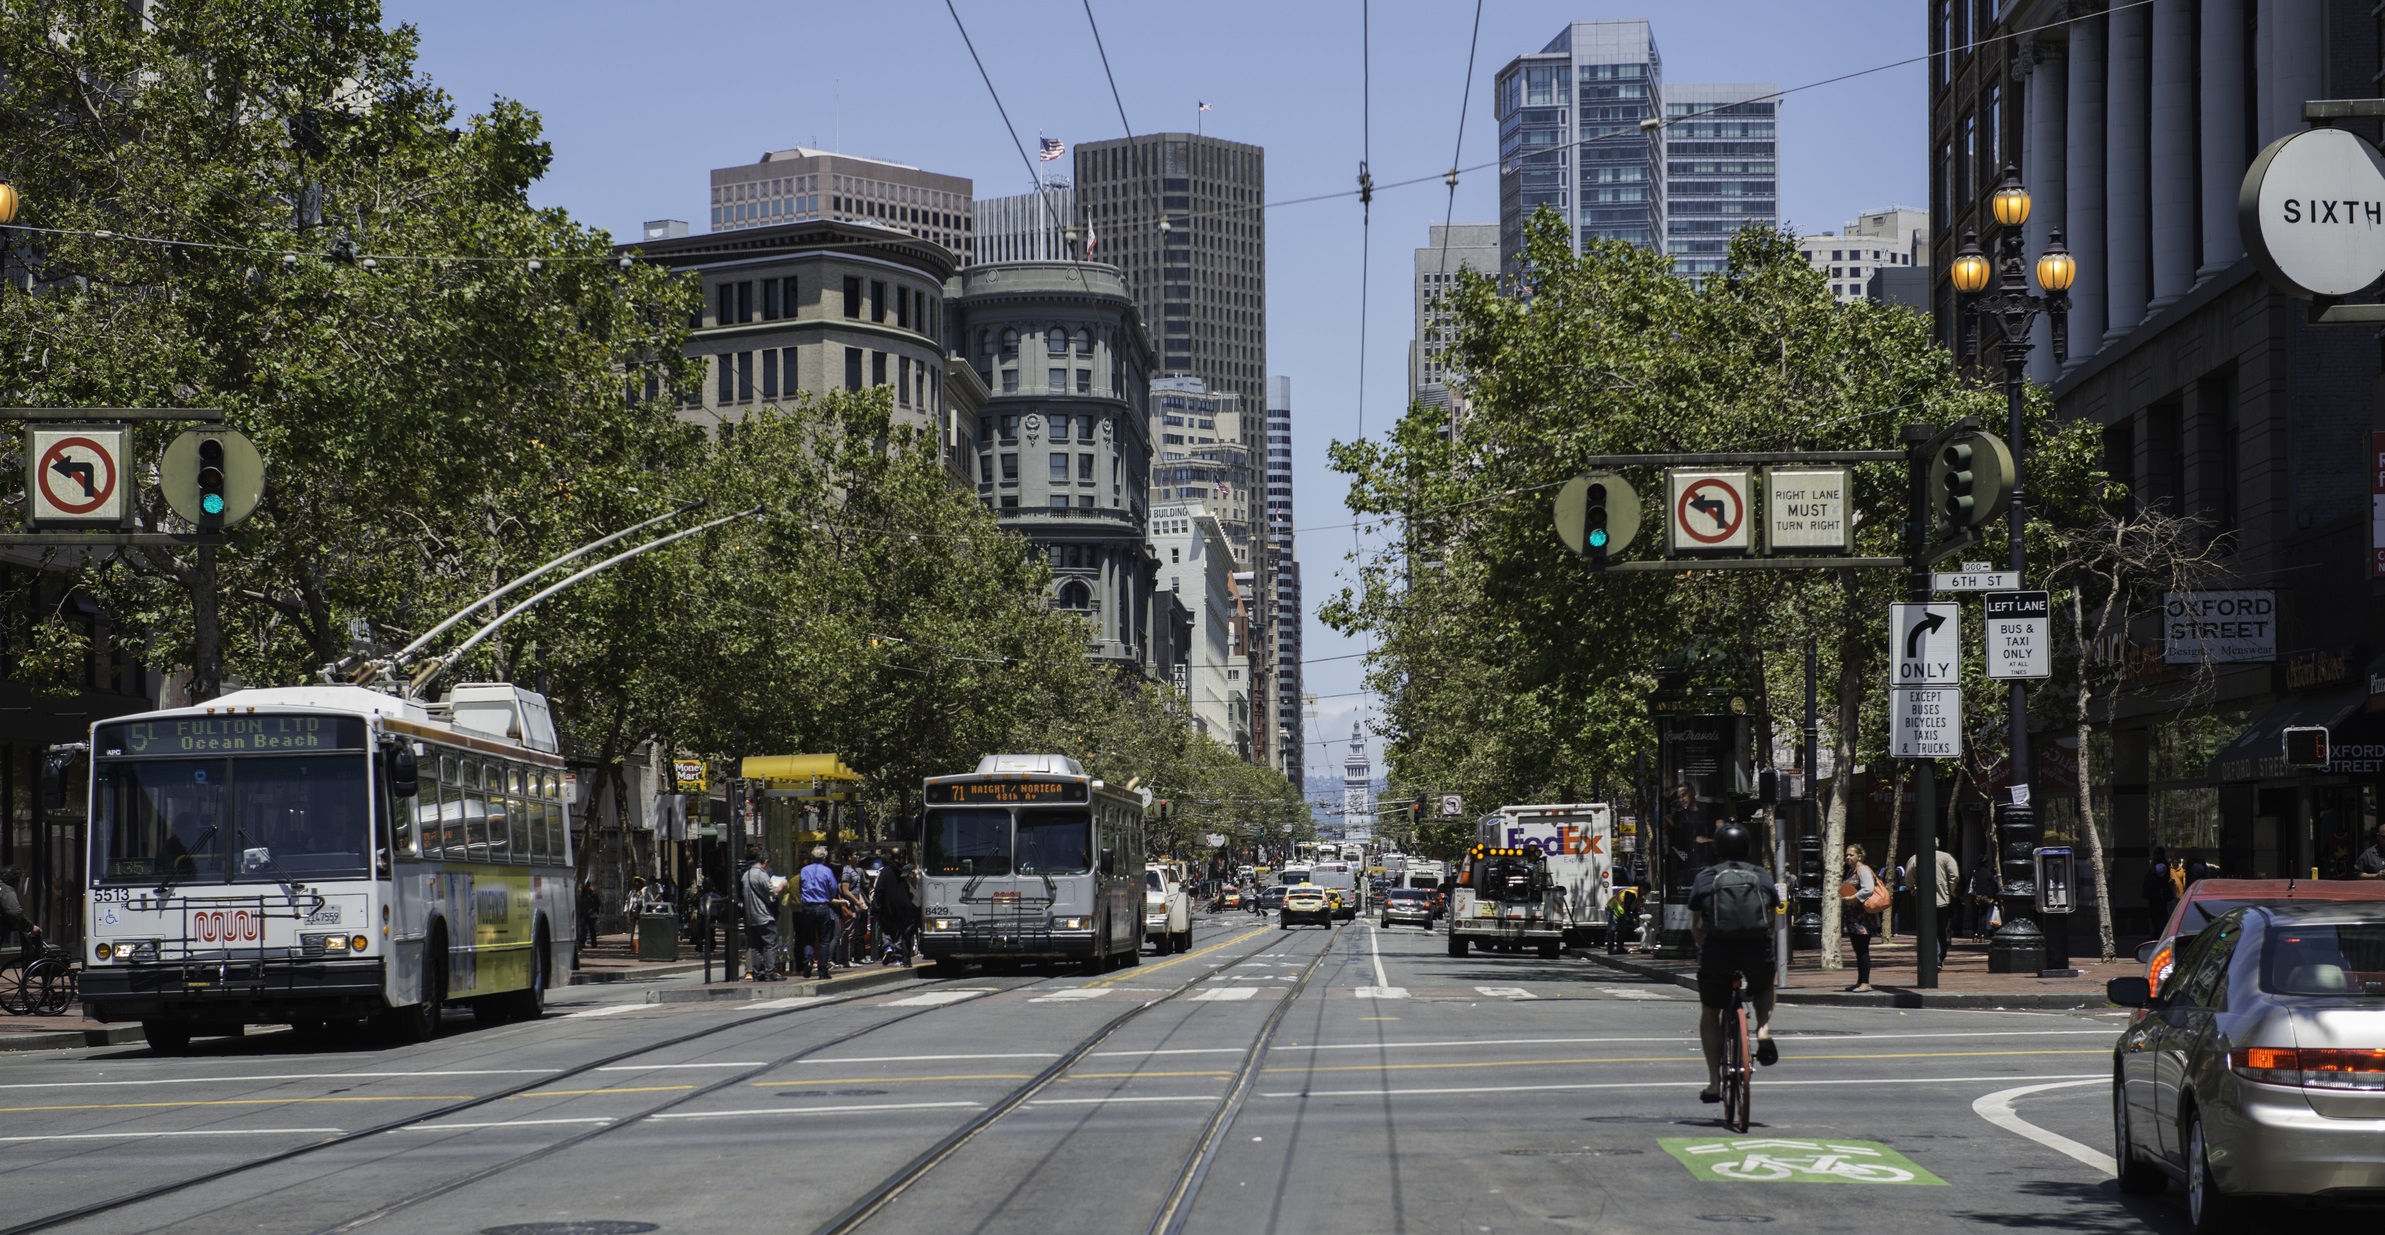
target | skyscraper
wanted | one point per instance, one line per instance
(1579, 133)
(1600, 169)
(1291, 729)
(1027, 227)
(1722, 169)
(1180, 214)
(1463, 246)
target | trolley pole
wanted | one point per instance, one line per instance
(735, 834)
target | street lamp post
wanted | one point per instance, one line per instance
(2019, 946)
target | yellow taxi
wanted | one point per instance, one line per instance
(1305, 902)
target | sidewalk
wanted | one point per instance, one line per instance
(43, 1033)
(1964, 982)
(613, 958)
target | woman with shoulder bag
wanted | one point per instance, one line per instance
(1861, 898)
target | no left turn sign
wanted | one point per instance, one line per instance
(74, 474)
(1709, 511)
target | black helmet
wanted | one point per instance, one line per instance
(1732, 842)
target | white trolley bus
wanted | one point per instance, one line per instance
(1028, 859)
(317, 855)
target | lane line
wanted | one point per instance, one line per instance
(932, 999)
(1996, 1108)
(496, 1123)
(890, 1080)
(659, 1067)
(278, 1076)
(1230, 994)
(1506, 992)
(295, 1101)
(1526, 1089)
(136, 1135)
(1120, 1098)
(928, 1058)
(615, 1010)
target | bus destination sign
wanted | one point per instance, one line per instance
(231, 735)
(1006, 792)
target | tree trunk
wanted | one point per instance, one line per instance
(2087, 829)
(1887, 861)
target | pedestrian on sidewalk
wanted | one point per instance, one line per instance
(898, 913)
(590, 902)
(1862, 923)
(2371, 862)
(13, 918)
(760, 894)
(817, 886)
(1950, 877)
(2160, 889)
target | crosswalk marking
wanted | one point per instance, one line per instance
(1225, 994)
(1382, 992)
(1506, 992)
(929, 999)
(1631, 992)
(1073, 995)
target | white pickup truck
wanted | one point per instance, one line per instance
(1167, 910)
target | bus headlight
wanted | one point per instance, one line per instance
(944, 924)
(1069, 924)
(318, 945)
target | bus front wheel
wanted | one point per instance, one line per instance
(166, 1037)
(420, 1023)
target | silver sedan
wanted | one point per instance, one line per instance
(2260, 1067)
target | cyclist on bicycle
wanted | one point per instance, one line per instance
(1731, 906)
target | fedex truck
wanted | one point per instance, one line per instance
(1578, 840)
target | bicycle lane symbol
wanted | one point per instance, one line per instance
(1780, 1160)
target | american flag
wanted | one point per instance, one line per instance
(1053, 148)
(1206, 107)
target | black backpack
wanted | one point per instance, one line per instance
(1738, 909)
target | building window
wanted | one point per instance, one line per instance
(745, 377)
(726, 385)
(1059, 467)
(1010, 427)
(1055, 341)
(877, 300)
(1056, 380)
(902, 308)
(1084, 465)
(902, 385)
(985, 469)
(1084, 381)
(1010, 501)
(769, 371)
(1059, 428)
(853, 298)
(852, 368)
(1010, 468)
(877, 368)
(770, 300)
(787, 300)
(1059, 501)
(1085, 501)
(1010, 381)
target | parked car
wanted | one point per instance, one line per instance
(1410, 905)
(2258, 1069)
(1270, 899)
(2209, 899)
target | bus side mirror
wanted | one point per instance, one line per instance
(1109, 861)
(405, 778)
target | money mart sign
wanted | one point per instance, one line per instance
(2221, 628)
(2312, 210)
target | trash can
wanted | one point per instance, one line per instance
(658, 936)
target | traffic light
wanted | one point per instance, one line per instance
(211, 477)
(2306, 746)
(1416, 812)
(1972, 481)
(1598, 514)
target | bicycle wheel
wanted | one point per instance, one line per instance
(51, 992)
(12, 992)
(1738, 1075)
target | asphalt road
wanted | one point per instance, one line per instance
(1402, 1090)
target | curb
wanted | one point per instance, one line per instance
(742, 991)
(1890, 998)
(601, 977)
(66, 1039)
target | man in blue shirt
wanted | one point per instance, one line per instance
(818, 920)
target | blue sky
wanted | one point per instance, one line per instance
(641, 100)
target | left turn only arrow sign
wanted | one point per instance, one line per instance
(74, 476)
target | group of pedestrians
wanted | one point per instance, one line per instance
(837, 911)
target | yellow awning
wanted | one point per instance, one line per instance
(796, 769)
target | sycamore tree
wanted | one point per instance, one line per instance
(1512, 672)
(262, 206)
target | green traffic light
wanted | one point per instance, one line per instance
(1598, 538)
(213, 503)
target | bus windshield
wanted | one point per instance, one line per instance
(969, 840)
(1055, 842)
(261, 820)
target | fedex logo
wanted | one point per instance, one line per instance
(1556, 840)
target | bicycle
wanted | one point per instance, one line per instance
(1738, 1062)
(43, 986)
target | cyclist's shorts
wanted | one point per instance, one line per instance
(1721, 958)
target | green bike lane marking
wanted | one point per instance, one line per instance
(1767, 1159)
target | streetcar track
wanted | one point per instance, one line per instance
(95, 1208)
(888, 1190)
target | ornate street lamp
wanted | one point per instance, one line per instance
(2011, 309)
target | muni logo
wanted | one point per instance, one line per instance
(224, 926)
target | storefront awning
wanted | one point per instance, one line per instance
(2259, 753)
(786, 771)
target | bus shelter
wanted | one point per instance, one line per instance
(804, 800)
